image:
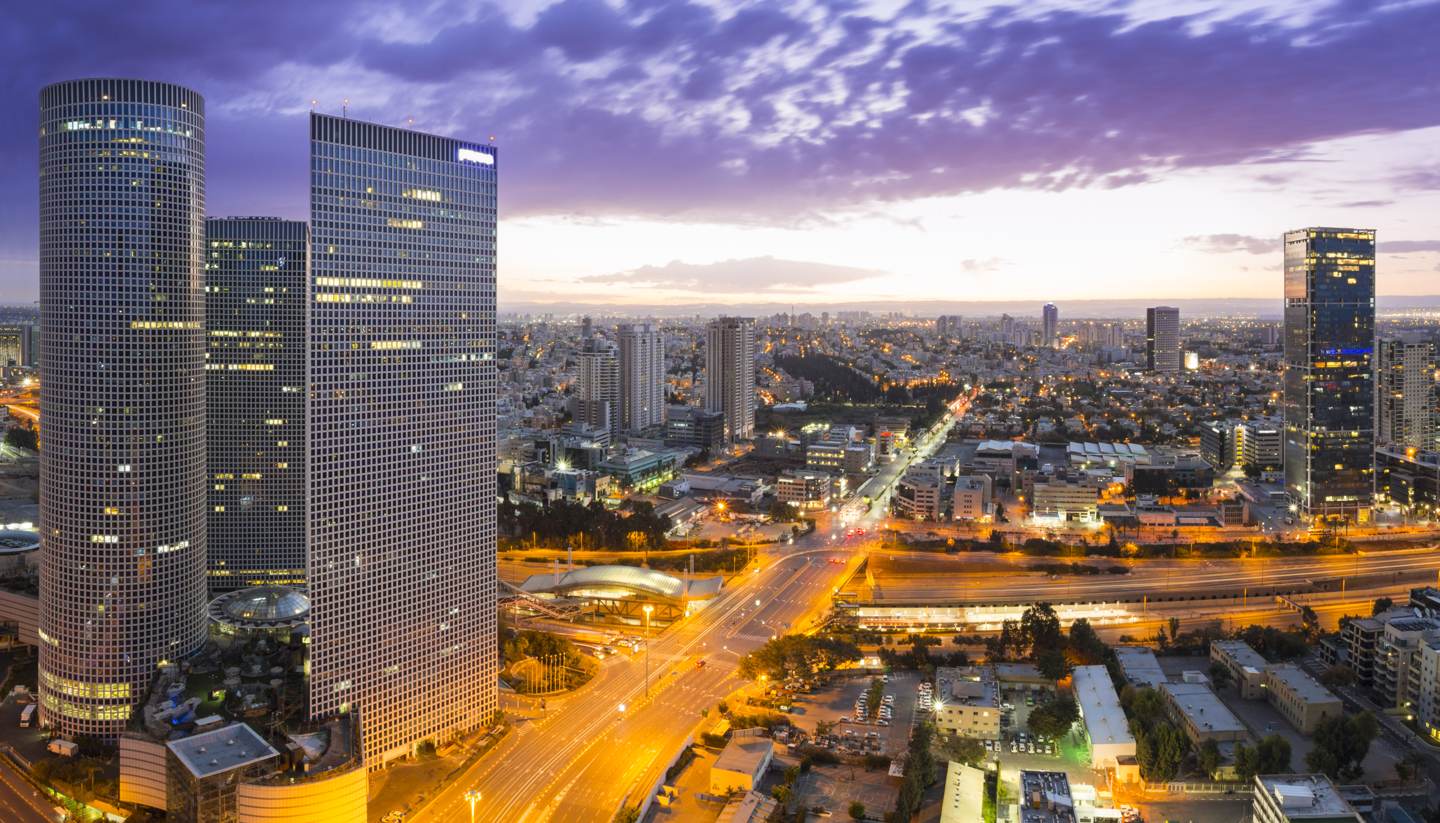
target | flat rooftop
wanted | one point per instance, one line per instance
(967, 685)
(1100, 707)
(743, 754)
(1139, 666)
(1045, 798)
(1240, 651)
(1202, 708)
(1307, 687)
(1306, 797)
(214, 752)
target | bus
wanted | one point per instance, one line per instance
(27, 716)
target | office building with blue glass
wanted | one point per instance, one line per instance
(1329, 390)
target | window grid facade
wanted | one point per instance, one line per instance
(401, 567)
(1329, 394)
(122, 405)
(256, 279)
(730, 374)
(642, 377)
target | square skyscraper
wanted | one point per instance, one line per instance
(1329, 372)
(401, 563)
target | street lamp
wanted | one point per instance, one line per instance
(474, 797)
(647, 608)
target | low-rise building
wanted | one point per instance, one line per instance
(1300, 798)
(1258, 443)
(1105, 722)
(1300, 698)
(1246, 666)
(967, 702)
(920, 495)
(1045, 798)
(971, 498)
(1202, 715)
(1065, 500)
(964, 794)
(742, 763)
(805, 488)
(1139, 666)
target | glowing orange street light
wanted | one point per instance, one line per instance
(474, 797)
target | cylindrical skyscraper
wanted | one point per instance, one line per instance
(122, 399)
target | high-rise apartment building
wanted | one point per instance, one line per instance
(597, 401)
(1050, 326)
(1405, 394)
(1329, 393)
(17, 345)
(1162, 339)
(256, 291)
(402, 432)
(730, 374)
(642, 377)
(122, 405)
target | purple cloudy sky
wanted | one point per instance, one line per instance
(659, 151)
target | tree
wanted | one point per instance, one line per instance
(1381, 604)
(1408, 767)
(1207, 757)
(1341, 744)
(1338, 676)
(1040, 629)
(21, 439)
(962, 749)
(1055, 718)
(1220, 675)
(1173, 627)
(1085, 645)
(795, 655)
(1051, 664)
(857, 810)
(1160, 751)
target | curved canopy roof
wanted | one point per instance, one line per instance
(631, 578)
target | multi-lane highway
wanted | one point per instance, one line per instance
(21, 802)
(607, 745)
(921, 578)
(590, 755)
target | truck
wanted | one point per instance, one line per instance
(27, 716)
(64, 748)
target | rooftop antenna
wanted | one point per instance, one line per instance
(313, 103)
(345, 108)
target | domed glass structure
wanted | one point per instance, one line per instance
(261, 607)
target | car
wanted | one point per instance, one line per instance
(699, 664)
(393, 817)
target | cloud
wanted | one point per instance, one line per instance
(1408, 246)
(756, 274)
(977, 266)
(680, 109)
(1226, 243)
(1366, 204)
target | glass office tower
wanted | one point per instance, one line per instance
(122, 402)
(1329, 376)
(402, 432)
(256, 281)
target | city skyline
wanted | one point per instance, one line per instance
(824, 183)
